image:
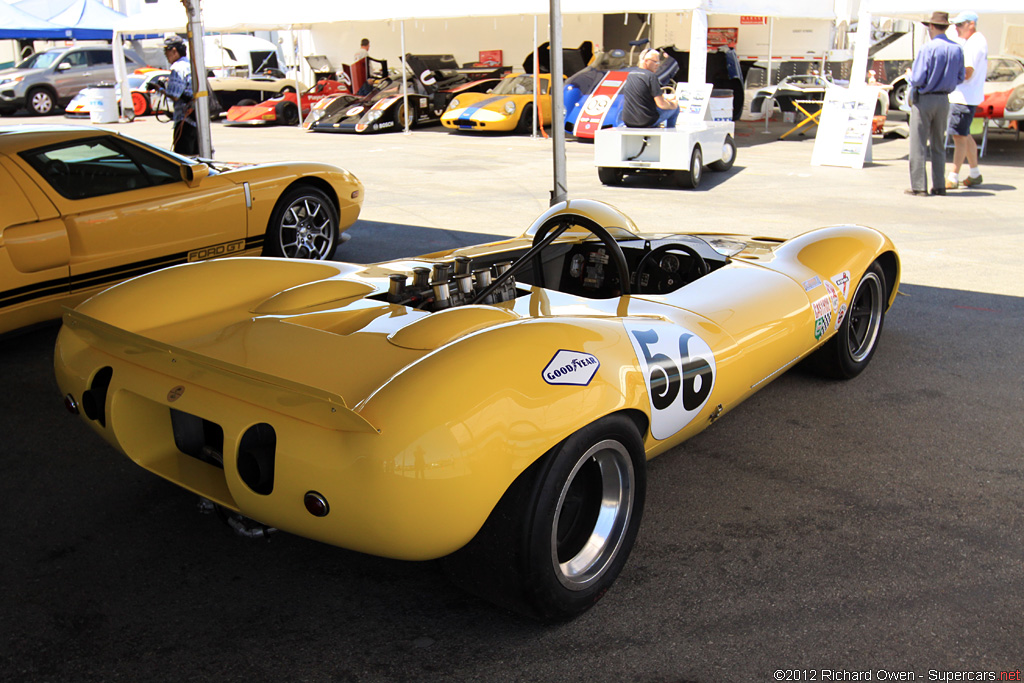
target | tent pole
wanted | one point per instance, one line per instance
(769, 103)
(405, 81)
(559, 193)
(536, 78)
(199, 93)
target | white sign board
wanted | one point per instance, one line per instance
(844, 130)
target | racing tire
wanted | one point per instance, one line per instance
(728, 156)
(287, 113)
(898, 96)
(850, 349)
(690, 179)
(40, 101)
(401, 115)
(246, 103)
(525, 124)
(610, 176)
(558, 538)
(304, 225)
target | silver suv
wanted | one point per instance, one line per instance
(51, 78)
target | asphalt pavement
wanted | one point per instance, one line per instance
(857, 530)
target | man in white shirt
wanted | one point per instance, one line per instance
(965, 100)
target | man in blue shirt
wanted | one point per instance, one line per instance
(938, 69)
(179, 89)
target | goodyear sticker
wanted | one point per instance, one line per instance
(571, 367)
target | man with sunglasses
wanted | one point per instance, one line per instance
(643, 105)
(185, 138)
(964, 101)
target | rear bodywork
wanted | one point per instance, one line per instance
(409, 408)
(285, 108)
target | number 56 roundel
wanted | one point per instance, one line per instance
(679, 371)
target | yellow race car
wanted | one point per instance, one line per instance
(84, 208)
(492, 405)
(507, 107)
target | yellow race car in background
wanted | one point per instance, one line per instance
(507, 107)
(84, 208)
(494, 405)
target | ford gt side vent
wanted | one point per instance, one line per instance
(256, 453)
(199, 438)
(94, 399)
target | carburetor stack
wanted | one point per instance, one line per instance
(450, 284)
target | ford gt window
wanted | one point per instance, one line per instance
(100, 166)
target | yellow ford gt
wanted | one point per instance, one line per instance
(494, 405)
(507, 107)
(84, 208)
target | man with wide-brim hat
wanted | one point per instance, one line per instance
(938, 69)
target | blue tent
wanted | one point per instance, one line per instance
(16, 23)
(84, 19)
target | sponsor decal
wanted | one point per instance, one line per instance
(175, 393)
(822, 316)
(679, 371)
(812, 283)
(833, 295)
(354, 111)
(840, 315)
(216, 250)
(385, 124)
(842, 283)
(427, 78)
(571, 367)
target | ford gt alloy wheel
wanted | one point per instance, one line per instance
(563, 531)
(304, 225)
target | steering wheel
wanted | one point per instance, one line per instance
(562, 222)
(548, 233)
(697, 264)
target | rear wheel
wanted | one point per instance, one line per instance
(304, 225)
(728, 156)
(691, 178)
(849, 351)
(405, 117)
(610, 176)
(140, 103)
(561, 534)
(40, 101)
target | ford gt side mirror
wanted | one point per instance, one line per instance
(193, 173)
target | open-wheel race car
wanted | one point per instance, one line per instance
(493, 405)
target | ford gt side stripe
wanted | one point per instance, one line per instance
(109, 276)
(467, 113)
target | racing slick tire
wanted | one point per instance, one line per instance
(304, 225)
(558, 538)
(691, 178)
(610, 176)
(287, 113)
(728, 156)
(140, 104)
(850, 349)
(40, 101)
(401, 115)
(245, 103)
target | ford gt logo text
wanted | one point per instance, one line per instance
(571, 367)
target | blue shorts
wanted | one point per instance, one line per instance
(960, 117)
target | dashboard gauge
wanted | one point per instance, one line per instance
(670, 263)
(576, 265)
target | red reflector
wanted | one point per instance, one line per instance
(316, 504)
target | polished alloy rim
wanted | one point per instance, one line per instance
(592, 515)
(865, 317)
(306, 230)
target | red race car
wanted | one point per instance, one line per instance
(284, 109)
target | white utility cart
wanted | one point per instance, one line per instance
(703, 136)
